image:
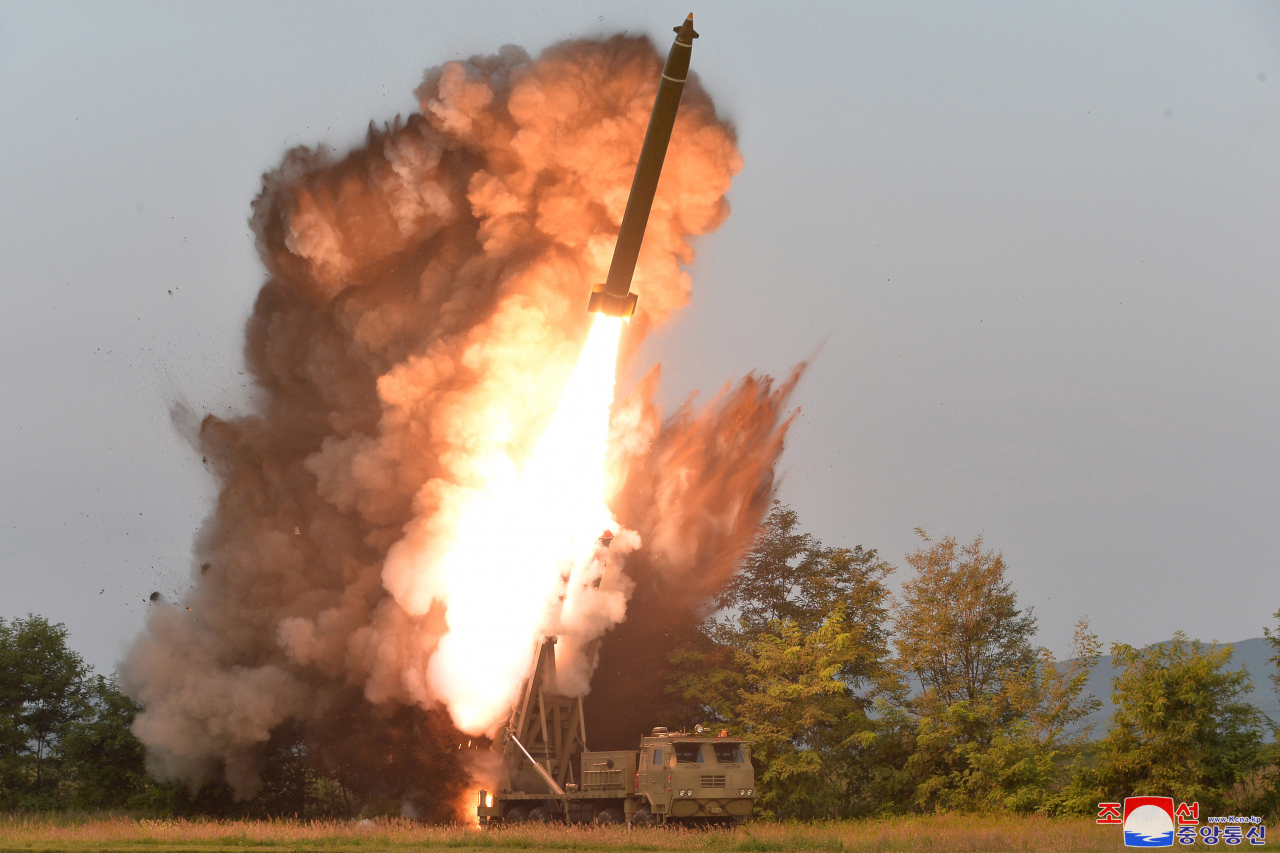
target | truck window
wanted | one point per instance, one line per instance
(728, 753)
(657, 757)
(688, 753)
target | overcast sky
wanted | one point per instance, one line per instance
(1038, 244)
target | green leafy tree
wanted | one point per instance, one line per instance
(1267, 781)
(997, 722)
(788, 575)
(1182, 727)
(103, 761)
(1013, 751)
(1274, 660)
(43, 690)
(13, 739)
(784, 691)
(66, 742)
(795, 658)
(958, 629)
(801, 717)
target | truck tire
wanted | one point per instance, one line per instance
(516, 814)
(539, 815)
(643, 817)
(609, 816)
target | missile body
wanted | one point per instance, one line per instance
(614, 296)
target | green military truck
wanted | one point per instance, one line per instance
(548, 774)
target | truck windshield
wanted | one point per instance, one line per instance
(728, 753)
(688, 753)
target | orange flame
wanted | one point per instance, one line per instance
(521, 541)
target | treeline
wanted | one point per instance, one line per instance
(64, 733)
(65, 743)
(856, 704)
(861, 705)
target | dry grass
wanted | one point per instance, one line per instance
(943, 833)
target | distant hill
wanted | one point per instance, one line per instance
(1252, 654)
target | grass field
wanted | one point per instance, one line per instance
(946, 832)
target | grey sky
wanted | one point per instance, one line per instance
(1040, 242)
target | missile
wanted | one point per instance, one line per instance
(614, 297)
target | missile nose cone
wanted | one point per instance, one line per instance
(684, 32)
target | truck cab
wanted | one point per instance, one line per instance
(683, 775)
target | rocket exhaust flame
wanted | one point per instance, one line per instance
(523, 542)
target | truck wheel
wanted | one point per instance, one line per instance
(517, 814)
(539, 815)
(608, 816)
(643, 817)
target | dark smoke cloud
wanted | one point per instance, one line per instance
(698, 493)
(420, 290)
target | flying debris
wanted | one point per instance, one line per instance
(614, 297)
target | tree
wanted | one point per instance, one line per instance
(1182, 727)
(104, 762)
(1267, 781)
(795, 658)
(13, 740)
(783, 690)
(959, 630)
(801, 717)
(42, 690)
(66, 741)
(996, 722)
(1274, 660)
(1011, 752)
(789, 575)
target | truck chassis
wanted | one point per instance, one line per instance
(548, 774)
